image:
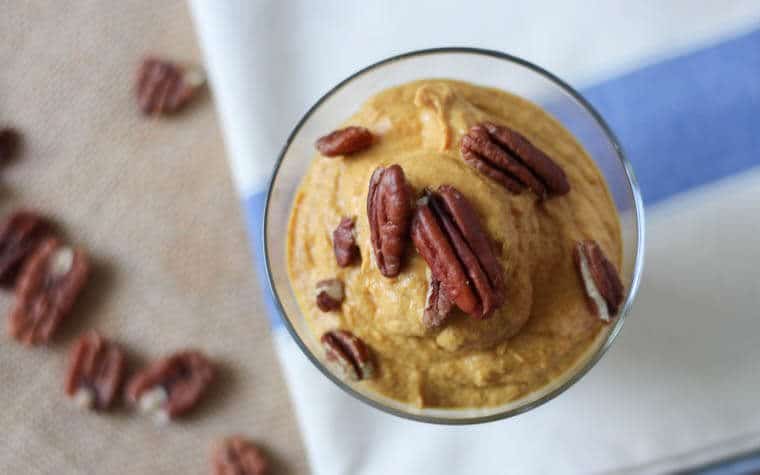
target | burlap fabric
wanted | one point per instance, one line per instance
(154, 204)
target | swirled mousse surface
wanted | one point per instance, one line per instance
(545, 324)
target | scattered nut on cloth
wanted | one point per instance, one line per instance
(237, 455)
(153, 204)
(96, 368)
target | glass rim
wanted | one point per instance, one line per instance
(580, 371)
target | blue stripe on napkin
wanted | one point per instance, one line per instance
(690, 120)
(742, 464)
(253, 206)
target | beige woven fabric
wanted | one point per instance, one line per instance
(154, 204)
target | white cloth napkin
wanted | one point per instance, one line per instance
(678, 387)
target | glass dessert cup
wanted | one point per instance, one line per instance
(484, 68)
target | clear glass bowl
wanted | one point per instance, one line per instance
(482, 67)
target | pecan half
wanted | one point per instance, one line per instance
(600, 279)
(20, 235)
(344, 243)
(509, 158)
(164, 87)
(171, 386)
(389, 209)
(47, 288)
(236, 455)
(348, 355)
(96, 367)
(437, 305)
(346, 141)
(448, 235)
(9, 142)
(329, 294)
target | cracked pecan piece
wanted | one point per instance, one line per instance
(600, 279)
(437, 305)
(348, 355)
(344, 243)
(389, 209)
(47, 289)
(96, 367)
(9, 144)
(237, 455)
(346, 141)
(329, 294)
(20, 235)
(509, 158)
(171, 386)
(448, 235)
(164, 87)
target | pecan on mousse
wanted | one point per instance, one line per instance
(437, 304)
(389, 210)
(348, 355)
(448, 235)
(345, 141)
(344, 243)
(600, 279)
(330, 294)
(509, 158)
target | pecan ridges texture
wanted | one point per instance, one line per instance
(171, 386)
(348, 354)
(20, 235)
(509, 158)
(389, 209)
(600, 279)
(437, 305)
(96, 367)
(448, 235)
(47, 289)
(164, 87)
